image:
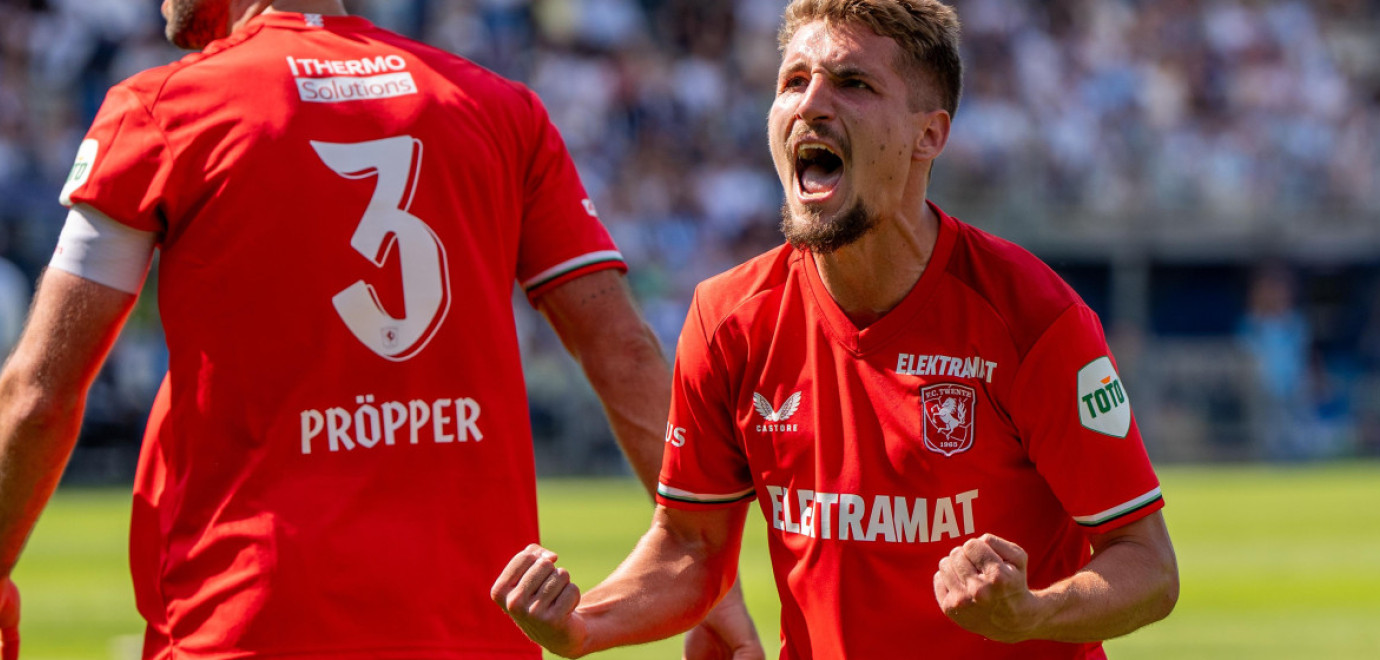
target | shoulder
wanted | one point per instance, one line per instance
(743, 288)
(456, 68)
(149, 85)
(193, 72)
(1020, 288)
(505, 109)
(257, 51)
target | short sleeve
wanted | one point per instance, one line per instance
(123, 164)
(1073, 412)
(704, 464)
(562, 236)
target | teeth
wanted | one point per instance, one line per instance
(811, 150)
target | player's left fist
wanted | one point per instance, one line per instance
(982, 586)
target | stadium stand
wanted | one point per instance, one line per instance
(1170, 158)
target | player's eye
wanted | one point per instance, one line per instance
(794, 82)
(856, 83)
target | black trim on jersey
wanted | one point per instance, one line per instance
(1123, 514)
(750, 494)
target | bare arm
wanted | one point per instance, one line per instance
(1131, 581)
(677, 572)
(599, 324)
(71, 328)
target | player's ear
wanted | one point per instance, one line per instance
(932, 134)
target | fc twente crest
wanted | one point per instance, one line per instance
(948, 412)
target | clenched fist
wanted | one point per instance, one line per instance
(982, 586)
(541, 600)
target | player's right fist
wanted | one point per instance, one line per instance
(541, 600)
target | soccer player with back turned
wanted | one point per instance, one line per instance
(340, 459)
(928, 417)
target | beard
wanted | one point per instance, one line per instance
(815, 234)
(194, 23)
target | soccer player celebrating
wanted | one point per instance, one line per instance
(917, 406)
(340, 458)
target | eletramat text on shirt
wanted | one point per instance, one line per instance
(849, 516)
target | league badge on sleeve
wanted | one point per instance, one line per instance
(81, 170)
(1102, 403)
(948, 415)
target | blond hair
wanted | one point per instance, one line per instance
(926, 30)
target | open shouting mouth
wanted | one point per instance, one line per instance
(818, 170)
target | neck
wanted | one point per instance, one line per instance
(873, 275)
(244, 10)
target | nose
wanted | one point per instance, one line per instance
(817, 104)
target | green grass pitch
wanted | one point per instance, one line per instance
(1276, 563)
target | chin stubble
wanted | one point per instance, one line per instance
(821, 236)
(195, 23)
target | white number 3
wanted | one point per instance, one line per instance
(387, 222)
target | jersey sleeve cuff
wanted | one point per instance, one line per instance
(678, 498)
(1122, 514)
(570, 269)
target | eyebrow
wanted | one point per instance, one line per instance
(849, 71)
(841, 71)
(792, 67)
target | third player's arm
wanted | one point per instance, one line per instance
(599, 324)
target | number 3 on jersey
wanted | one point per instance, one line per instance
(386, 223)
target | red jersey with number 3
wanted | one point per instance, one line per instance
(985, 402)
(340, 463)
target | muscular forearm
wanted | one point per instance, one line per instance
(621, 356)
(634, 384)
(1131, 581)
(663, 588)
(677, 572)
(36, 439)
(43, 391)
(1126, 586)
(597, 321)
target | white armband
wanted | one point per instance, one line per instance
(95, 247)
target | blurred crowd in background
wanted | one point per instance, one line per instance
(1206, 173)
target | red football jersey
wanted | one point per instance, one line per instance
(341, 462)
(986, 401)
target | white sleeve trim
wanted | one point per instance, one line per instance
(703, 498)
(95, 247)
(570, 265)
(1119, 510)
